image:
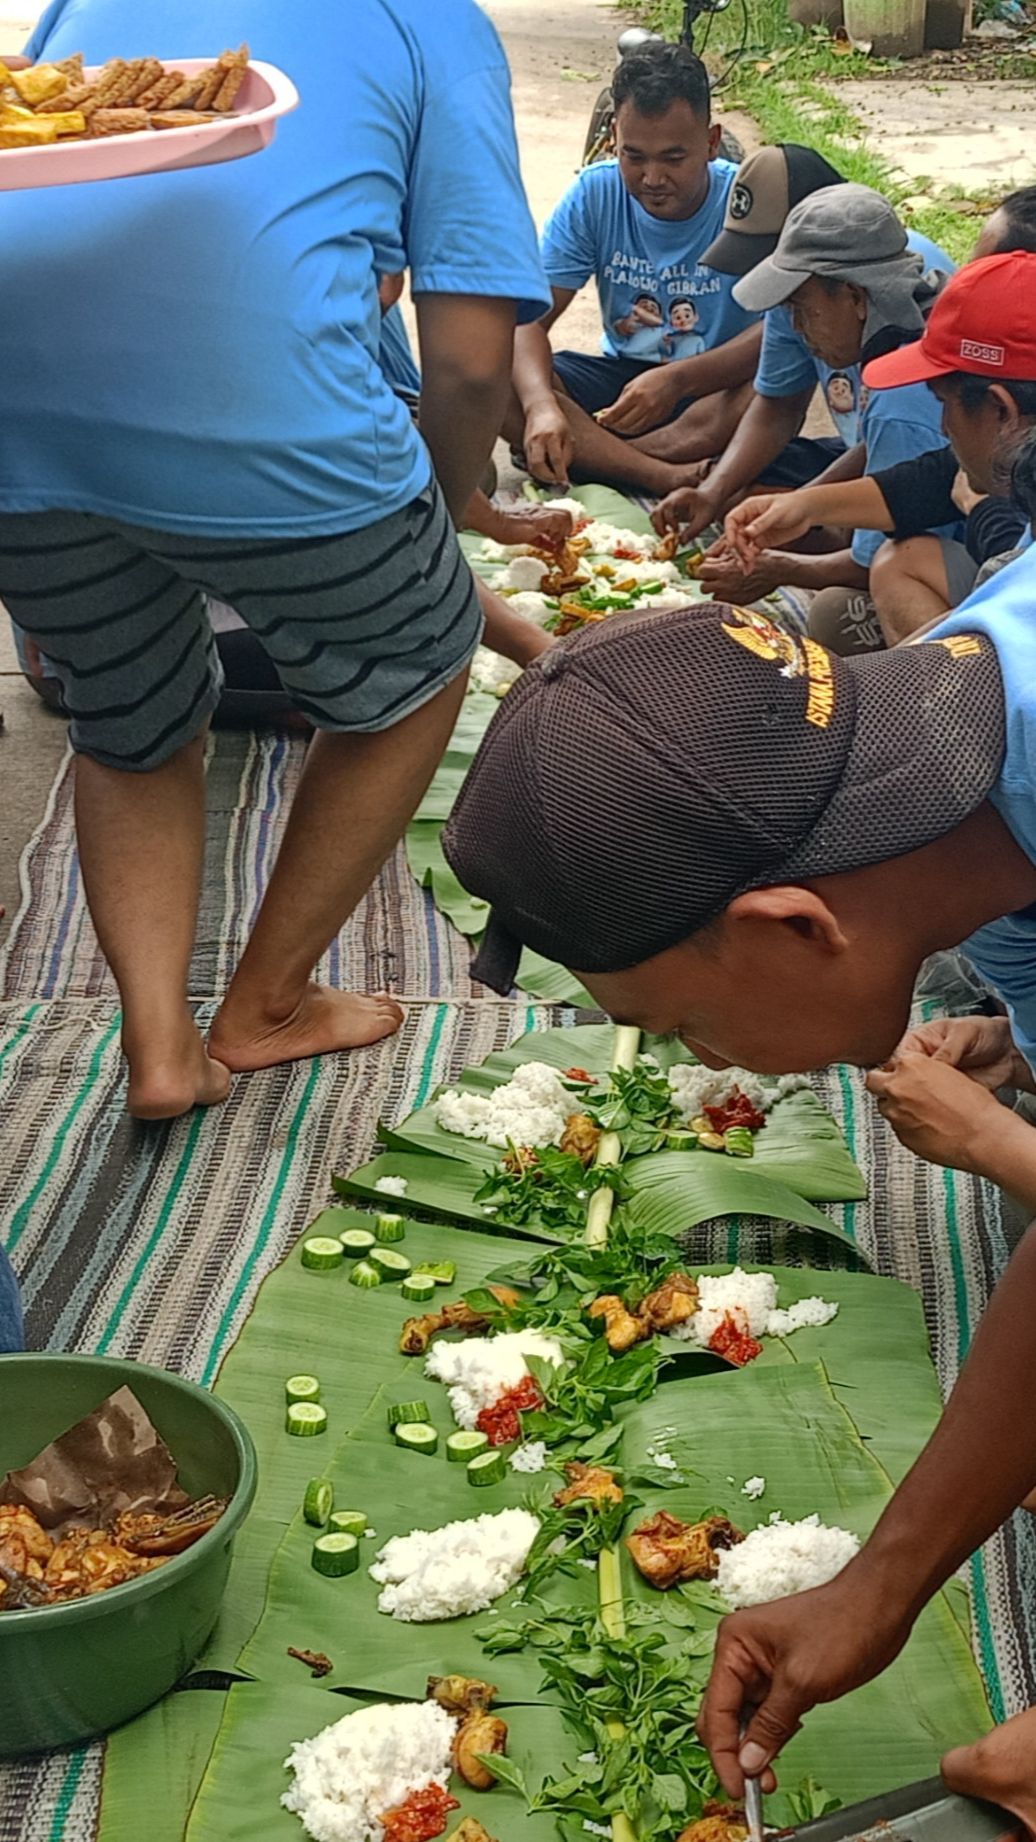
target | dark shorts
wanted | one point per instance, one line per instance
(802, 461)
(596, 382)
(361, 629)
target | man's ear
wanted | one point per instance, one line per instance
(715, 136)
(1007, 409)
(793, 906)
(860, 301)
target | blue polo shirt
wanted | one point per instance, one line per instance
(198, 351)
(1005, 951)
(658, 300)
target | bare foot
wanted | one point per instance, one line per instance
(167, 1081)
(324, 1022)
(1000, 1768)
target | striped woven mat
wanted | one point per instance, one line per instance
(152, 1242)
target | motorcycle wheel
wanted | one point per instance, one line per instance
(730, 148)
(598, 144)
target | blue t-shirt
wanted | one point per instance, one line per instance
(899, 424)
(198, 351)
(1005, 950)
(658, 301)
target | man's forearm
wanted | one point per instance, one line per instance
(847, 466)
(767, 426)
(533, 374)
(839, 569)
(460, 424)
(724, 368)
(466, 346)
(979, 1463)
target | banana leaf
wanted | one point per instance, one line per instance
(800, 1146)
(674, 1191)
(588, 1046)
(786, 1425)
(438, 1186)
(551, 983)
(428, 867)
(240, 1798)
(400, 1491)
(153, 1766)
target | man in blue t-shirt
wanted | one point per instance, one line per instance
(192, 402)
(736, 837)
(674, 339)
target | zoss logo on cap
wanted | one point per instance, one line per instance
(741, 202)
(983, 354)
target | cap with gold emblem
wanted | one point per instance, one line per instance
(768, 185)
(636, 779)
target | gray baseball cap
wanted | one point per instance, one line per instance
(846, 232)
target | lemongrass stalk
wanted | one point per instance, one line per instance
(598, 1219)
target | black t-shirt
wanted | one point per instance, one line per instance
(919, 495)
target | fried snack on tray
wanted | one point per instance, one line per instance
(48, 102)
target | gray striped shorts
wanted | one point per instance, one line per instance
(363, 628)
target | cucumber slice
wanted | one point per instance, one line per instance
(357, 1242)
(461, 1448)
(390, 1264)
(409, 1413)
(739, 1142)
(418, 1439)
(304, 1419)
(302, 1388)
(487, 1468)
(419, 1288)
(320, 1253)
(444, 1272)
(349, 1522)
(318, 1502)
(336, 1555)
(364, 1274)
(390, 1227)
(682, 1141)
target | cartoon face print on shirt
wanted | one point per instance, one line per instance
(841, 397)
(682, 338)
(642, 328)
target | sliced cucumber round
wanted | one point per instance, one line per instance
(461, 1448)
(419, 1288)
(682, 1141)
(390, 1264)
(357, 1242)
(364, 1274)
(318, 1502)
(336, 1554)
(418, 1439)
(390, 1227)
(487, 1468)
(304, 1419)
(409, 1413)
(302, 1388)
(348, 1522)
(320, 1253)
(444, 1272)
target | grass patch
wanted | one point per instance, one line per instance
(780, 73)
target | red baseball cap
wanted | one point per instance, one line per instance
(984, 323)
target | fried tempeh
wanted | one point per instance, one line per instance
(180, 118)
(158, 93)
(106, 122)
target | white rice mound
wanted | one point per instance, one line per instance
(781, 1558)
(531, 1109)
(481, 1369)
(369, 1762)
(442, 1573)
(391, 1186)
(491, 672)
(693, 1086)
(751, 1300)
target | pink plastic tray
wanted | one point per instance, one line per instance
(264, 96)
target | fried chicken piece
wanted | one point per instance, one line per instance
(520, 1159)
(581, 1137)
(17, 1520)
(667, 1551)
(417, 1333)
(460, 1694)
(470, 1830)
(718, 1822)
(674, 1301)
(88, 1561)
(480, 1733)
(621, 1328)
(666, 550)
(594, 1483)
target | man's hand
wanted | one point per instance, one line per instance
(940, 1113)
(999, 1768)
(533, 524)
(782, 1660)
(688, 511)
(765, 522)
(724, 577)
(963, 494)
(981, 1047)
(548, 442)
(645, 402)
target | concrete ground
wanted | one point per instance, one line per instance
(974, 135)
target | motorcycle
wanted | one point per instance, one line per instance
(600, 139)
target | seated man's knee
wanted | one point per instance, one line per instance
(845, 621)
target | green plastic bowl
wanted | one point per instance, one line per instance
(74, 1671)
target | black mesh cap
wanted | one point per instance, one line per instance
(640, 777)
